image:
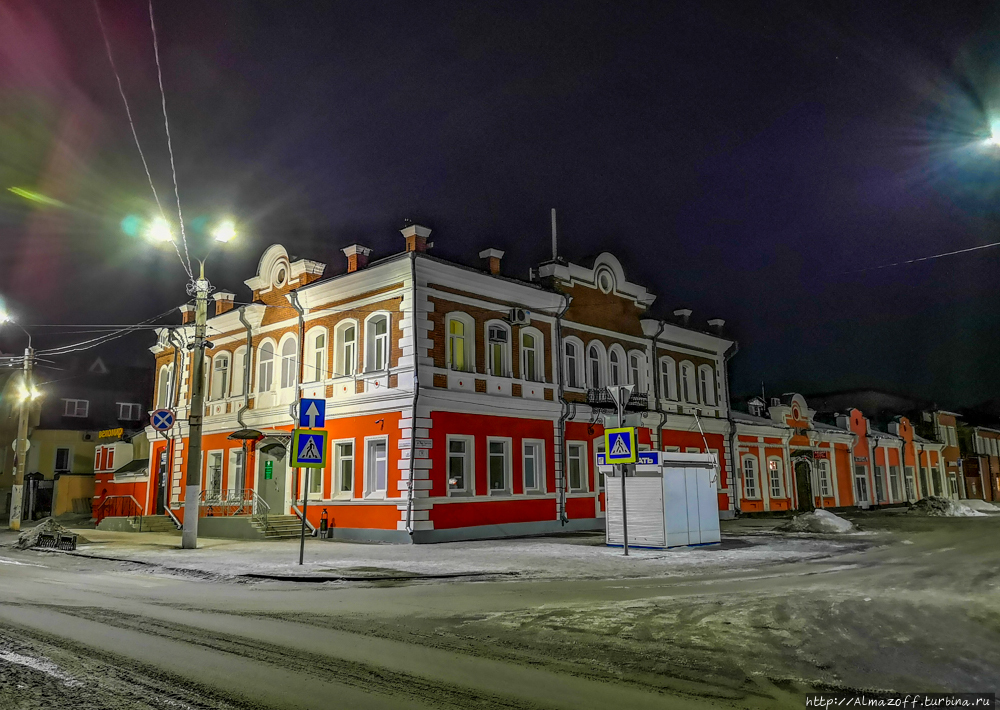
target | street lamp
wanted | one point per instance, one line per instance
(28, 394)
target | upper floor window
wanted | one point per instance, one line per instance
(163, 389)
(498, 338)
(220, 376)
(594, 369)
(573, 365)
(238, 371)
(668, 378)
(289, 363)
(461, 353)
(688, 387)
(377, 339)
(76, 408)
(347, 348)
(265, 367)
(531, 355)
(129, 411)
(62, 460)
(315, 365)
(616, 368)
(706, 384)
(635, 371)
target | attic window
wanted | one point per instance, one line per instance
(280, 275)
(605, 281)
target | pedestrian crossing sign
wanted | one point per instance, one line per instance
(309, 448)
(620, 445)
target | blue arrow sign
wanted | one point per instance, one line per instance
(308, 448)
(312, 413)
(162, 419)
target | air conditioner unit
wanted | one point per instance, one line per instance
(88, 436)
(519, 316)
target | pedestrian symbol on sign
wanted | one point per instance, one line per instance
(620, 445)
(310, 451)
(309, 448)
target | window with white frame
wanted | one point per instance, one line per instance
(576, 465)
(706, 384)
(750, 489)
(533, 466)
(532, 369)
(615, 368)
(498, 344)
(347, 348)
(238, 371)
(76, 408)
(343, 468)
(163, 388)
(377, 343)
(573, 363)
(460, 465)
(636, 366)
(63, 460)
(315, 366)
(595, 369)
(689, 389)
(825, 484)
(598, 474)
(376, 467)
(498, 466)
(237, 475)
(265, 367)
(289, 363)
(314, 478)
(461, 346)
(129, 411)
(668, 378)
(220, 376)
(213, 474)
(894, 482)
(775, 475)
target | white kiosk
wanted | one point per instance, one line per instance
(672, 500)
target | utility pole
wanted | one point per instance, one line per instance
(192, 491)
(17, 494)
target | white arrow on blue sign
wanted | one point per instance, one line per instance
(312, 413)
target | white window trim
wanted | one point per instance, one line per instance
(218, 357)
(236, 384)
(375, 494)
(539, 489)
(622, 364)
(69, 459)
(781, 477)
(756, 474)
(671, 391)
(286, 338)
(470, 458)
(132, 407)
(710, 399)
(274, 375)
(310, 374)
(602, 362)
(584, 468)
(206, 457)
(370, 342)
(508, 466)
(640, 383)
(231, 468)
(339, 359)
(163, 398)
(538, 350)
(76, 408)
(335, 492)
(508, 348)
(693, 389)
(581, 364)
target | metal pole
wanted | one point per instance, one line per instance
(305, 510)
(192, 491)
(17, 493)
(621, 470)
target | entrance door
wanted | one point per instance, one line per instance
(803, 484)
(271, 481)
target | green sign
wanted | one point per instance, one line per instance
(268, 470)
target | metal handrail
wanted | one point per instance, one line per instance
(233, 502)
(177, 523)
(120, 506)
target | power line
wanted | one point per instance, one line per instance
(927, 258)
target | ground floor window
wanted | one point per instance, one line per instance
(459, 465)
(576, 465)
(62, 460)
(532, 463)
(774, 472)
(214, 473)
(880, 484)
(498, 466)
(376, 467)
(236, 475)
(750, 477)
(908, 481)
(343, 468)
(860, 485)
(825, 488)
(894, 482)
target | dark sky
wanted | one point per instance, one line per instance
(742, 159)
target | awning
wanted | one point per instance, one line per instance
(137, 467)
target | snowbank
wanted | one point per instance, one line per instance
(818, 521)
(943, 507)
(29, 537)
(981, 505)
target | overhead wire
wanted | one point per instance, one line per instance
(927, 258)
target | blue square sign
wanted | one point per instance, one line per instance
(620, 445)
(312, 413)
(308, 448)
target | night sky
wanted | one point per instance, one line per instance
(744, 160)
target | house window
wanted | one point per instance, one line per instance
(377, 337)
(76, 408)
(499, 466)
(668, 377)
(533, 466)
(616, 378)
(531, 359)
(376, 467)
(576, 460)
(774, 474)
(894, 482)
(880, 484)
(62, 460)
(749, 477)
(289, 363)
(825, 484)
(860, 484)
(499, 343)
(163, 389)
(237, 478)
(220, 377)
(347, 349)
(594, 365)
(238, 371)
(129, 411)
(460, 344)
(315, 478)
(315, 370)
(598, 474)
(265, 367)
(908, 482)
(572, 365)
(706, 381)
(635, 371)
(343, 467)
(688, 390)
(459, 465)
(214, 474)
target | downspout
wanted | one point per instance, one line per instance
(172, 399)
(247, 467)
(416, 395)
(734, 487)
(566, 409)
(656, 384)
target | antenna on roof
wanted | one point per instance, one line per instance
(555, 250)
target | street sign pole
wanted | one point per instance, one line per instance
(621, 395)
(307, 454)
(305, 511)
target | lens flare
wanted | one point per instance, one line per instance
(158, 230)
(224, 232)
(37, 197)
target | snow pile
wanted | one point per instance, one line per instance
(818, 521)
(29, 537)
(981, 505)
(943, 507)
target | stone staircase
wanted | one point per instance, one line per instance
(281, 526)
(159, 523)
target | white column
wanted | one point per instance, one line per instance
(833, 472)
(765, 475)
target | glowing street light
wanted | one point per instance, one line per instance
(225, 231)
(158, 230)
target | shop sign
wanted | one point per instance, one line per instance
(110, 433)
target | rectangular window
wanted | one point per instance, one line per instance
(129, 411)
(750, 477)
(237, 479)
(315, 477)
(214, 474)
(894, 482)
(774, 475)
(576, 464)
(343, 467)
(533, 466)
(598, 474)
(459, 465)
(911, 493)
(824, 479)
(860, 484)
(376, 467)
(76, 408)
(499, 465)
(456, 344)
(62, 460)
(880, 484)
(498, 351)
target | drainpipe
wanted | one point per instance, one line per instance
(566, 409)
(172, 399)
(656, 383)
(734, 488)
(246, 371)
(416, 396)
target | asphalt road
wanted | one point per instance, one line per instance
(918, 609)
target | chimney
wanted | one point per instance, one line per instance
(416, 237)
(683, 315)
(187, 313)
(716, 325)
(492, 258)
(223, 301)
(357, 257)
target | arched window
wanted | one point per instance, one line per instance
(289, 363)
(595, 371)
(637, 370)
(532, 367)
(461, 342)
(706, 384)
(498, 348)
(265, 367)
(347, 348)
(574, 363)
(615, 368)
(315, 366)
(377, 343)
(220, 376)
(750, 487)
(668, 378)
(775, 477)
(689, 389)
(238, 370)
(163, 389)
